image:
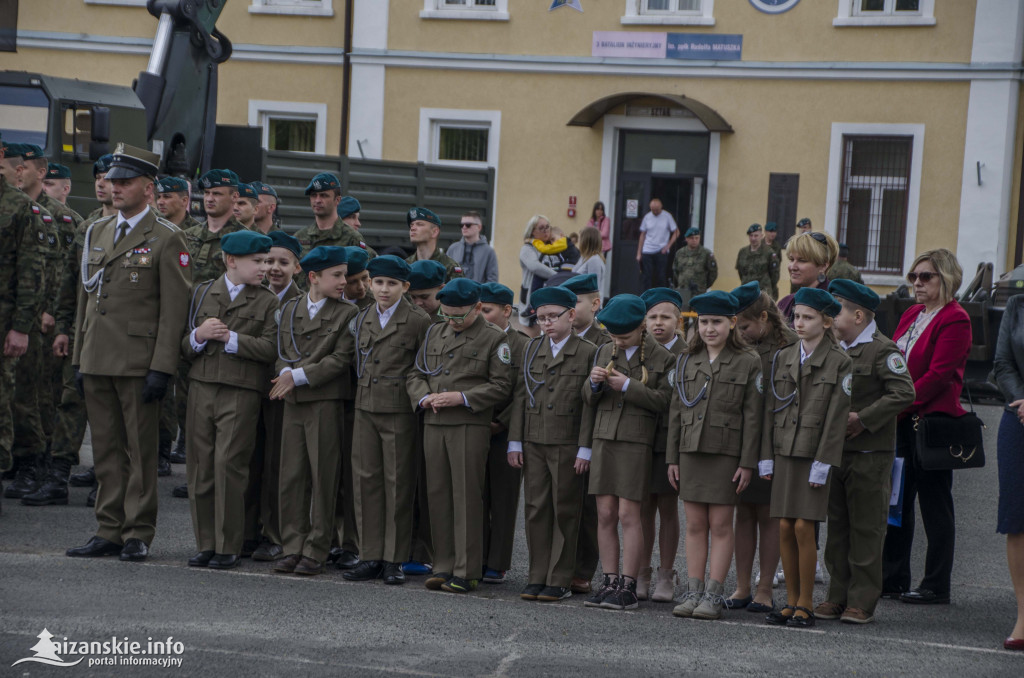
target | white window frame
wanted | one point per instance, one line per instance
(260, 110)
(436, 9)
(299, 7)
(431, 121)
(849, 14)
(636, 14)
(835, 177)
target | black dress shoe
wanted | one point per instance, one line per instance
(345, 560)
(248, 546)
(531, 591)
(91, 499)
(925, 597)
(224, 561)
(134, 550)
(267, 552)
(86, 478)
(94, 548)
(365, 571)
(393, 574)
(181, 492)
(163, 467)
(201, 559)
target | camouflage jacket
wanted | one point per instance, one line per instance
(846, 270)
(762, 266)
(694, 270)
(451, 267)
(23, 244)
(339, 235)
(204, 246)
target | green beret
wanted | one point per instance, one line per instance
(422, 214)
(746, 295)
(771, 226)
(844, 249)
(581, 284)
(348, 206)
(57, 171)
(715, 302)
(13, 150)
(460, 292)
(357, 259)
(804, 222)
(263, 189)
(691, 231)
(31, 152)
(288, 242)
(818, 299)
(426, 275)
(241, 243)
(218, 178)
(172, 185)
(389, 266)
(658, 295)
(323, 182)
(102, 166)
(323, 257)
(130, 162)
(247, 191)
(862, 295)
(753, 228)
(496, 293)
(623, 314)
(553, 296)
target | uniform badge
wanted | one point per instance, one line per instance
(362, 244)
(183, 259)
(848, 384)
(51, 240)
(67, 219)
(143, 261)
(457, 269)
(352, 326)
(69, 238)
(672, 376)
(41, 236)
(277, 316)
(35, 209)
(505, 354)
(134, 276)
(759, 382)
(896, 363)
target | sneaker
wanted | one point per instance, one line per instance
(493, 576)
(691, 599)
(437, 580)
(552, 594)
(855, 615)
(532, 591)
(819, 575)
(610, 585)
(459, 585)
(711, 603)
(829, 610)
(416, 569)
(624, 597)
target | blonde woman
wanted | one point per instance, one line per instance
(810, 255)
(591, 259)
(536, 266)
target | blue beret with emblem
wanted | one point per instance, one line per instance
(553, 296)
(658, 295)
(862, 295)
(348, 206)
(218, 178)
(172, 185)
(57, 171)
(102, 166)
(247, 191)
(324, 257)
(623, 314)
(288, 242)
(691, 231)
(746, 295)
(263, 189)
(241, 243)
(581, 284)
(715, 302)
(325, 181)
(771, 226)
(496, 293)
(460, 292)
(818, 299)
(357, 259)
(426, 274)
(753, 228)
(389, 266)
(422, 214)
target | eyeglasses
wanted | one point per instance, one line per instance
(549, 319)
(925, 277)
(454, 318)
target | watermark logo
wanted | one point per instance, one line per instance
(113, 652)
(46, 652)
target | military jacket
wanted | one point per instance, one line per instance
(762, 266)
(322, 346)
(694, 270)
(723, 409)
(845, 270)
(596, 335)
(661, 439)
(882, 388)
(67, 293)
(516, 342)
(22, 248)
(207, 257)
(385, 357)
(61, 248)
(339, 235)
(452, 268)
(475, 361)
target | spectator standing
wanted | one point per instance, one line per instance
(591, 258)
(478, 260)
(658, 232)
(599, 220)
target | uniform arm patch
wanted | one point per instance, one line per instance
(896, 363)
(505, 354)
(848, 384)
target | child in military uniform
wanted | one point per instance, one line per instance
(426, 278)
(231, 342)
(629, 389)
(588, 303)
(663, 310)
(714, 438)
(809, 399)
(357, 282)
(314, 349)
(858, 504)
(502, 482)
(387, 334)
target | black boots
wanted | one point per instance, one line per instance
(26, 480)
(54, 489)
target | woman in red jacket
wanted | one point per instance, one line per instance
(935, 337)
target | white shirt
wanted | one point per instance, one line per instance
(670, 344)
(385, 316)
(659, 229)
(280, 295)
(299, 374)
(132, 223)
(556, 347)
(232, 344)
(863, 338)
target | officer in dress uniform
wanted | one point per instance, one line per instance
(756, 261)
(132, 308)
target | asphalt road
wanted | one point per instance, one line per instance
(252, 622)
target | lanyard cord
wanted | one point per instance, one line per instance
(788, 400)
(194, 306)
(361, 355)
(421, 356)
(532, 384)
(294, 301)
(681, 382)
(94, 283)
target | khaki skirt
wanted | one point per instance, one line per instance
(620, 469)
(792, 495)
(707, 478)
(659, 475)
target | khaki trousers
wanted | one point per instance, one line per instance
(554, 503)
(345, 533)
(501, 503)
(422, 549)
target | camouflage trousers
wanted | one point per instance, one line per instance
(29, 436)
(70, 420)
(8, 367)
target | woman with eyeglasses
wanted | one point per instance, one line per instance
(935, 337)
(537, 267)
(810, 255)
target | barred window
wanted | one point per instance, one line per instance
(873, 200)
(671, 6)
(886, 7)
(465, 144)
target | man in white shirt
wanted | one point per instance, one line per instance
(658, 232)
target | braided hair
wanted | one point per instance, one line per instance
(643, 367)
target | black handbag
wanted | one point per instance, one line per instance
(946, 443)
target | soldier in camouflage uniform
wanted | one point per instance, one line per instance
(324, 192)
(771, 231)
(757, 262)
(843, 268)
(220, 188)
(694, 268)
(424, 229)
(266, 212)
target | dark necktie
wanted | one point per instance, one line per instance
(122, 228)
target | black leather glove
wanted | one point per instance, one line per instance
(155, 386)
(79, 383)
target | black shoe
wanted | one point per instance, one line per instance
(178, 454)
(26, 481)
(53, 490)
(367, 570)
(552, 594)
(610, 586)
(624, 598)
(343, 559)
(224, 561)
(892, 595)
(248, 547)
(96, 547)
(134, 550)
(86, 478)
(181, 492)
(267, 552)
(460, 585)
(532, 591)
(925, 597)
(392, 574)
(91, 499)
(435, 581)
(201, 559)
(163, 467)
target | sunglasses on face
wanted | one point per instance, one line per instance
(924, 276)
(549, 319)
(454, 318)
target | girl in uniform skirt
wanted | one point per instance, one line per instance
(714, 442)
(629, 389)
(808, 406)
